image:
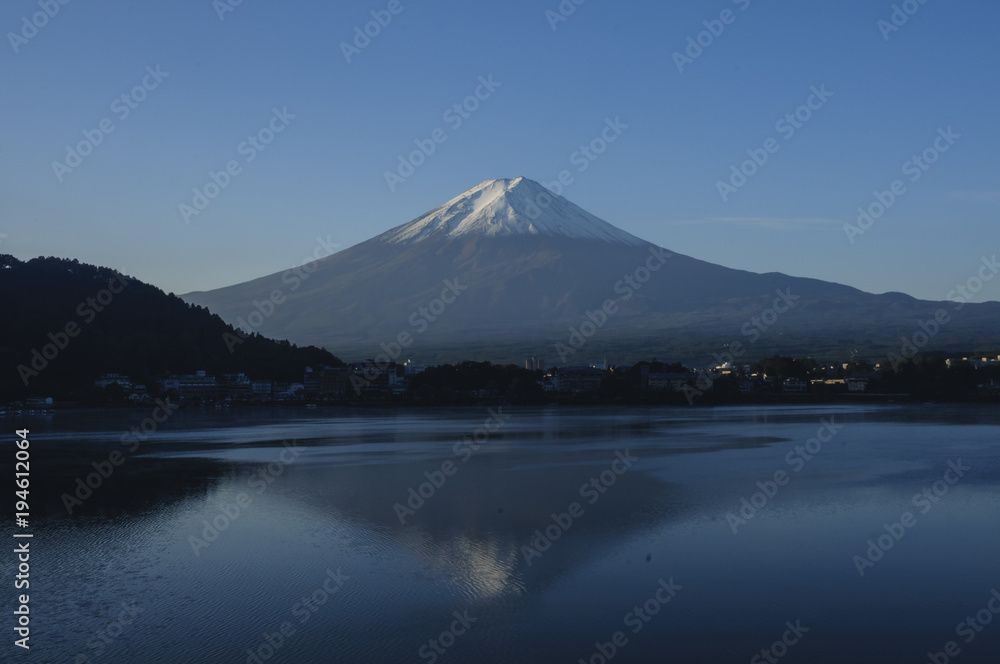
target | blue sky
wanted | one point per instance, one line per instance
(323, 174)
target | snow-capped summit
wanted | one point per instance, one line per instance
(498, 208)
(508, 271)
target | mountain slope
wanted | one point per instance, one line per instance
(528, 265)
(505, 208)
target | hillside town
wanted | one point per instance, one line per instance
(777, 378)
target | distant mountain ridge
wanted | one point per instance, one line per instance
(533, 266)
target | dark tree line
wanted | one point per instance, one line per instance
(121, 326)
(457, 383)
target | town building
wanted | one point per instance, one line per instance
(577, 380)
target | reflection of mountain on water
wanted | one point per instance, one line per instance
(334, 507)
(462, 549)
(474, 526)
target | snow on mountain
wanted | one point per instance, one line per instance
(497, 208)
(531, 267)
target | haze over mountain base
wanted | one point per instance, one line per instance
(509, 270)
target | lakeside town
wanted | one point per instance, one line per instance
(957, 377)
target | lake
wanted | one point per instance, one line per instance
(745, 534)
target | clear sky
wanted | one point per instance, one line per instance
(323, 175)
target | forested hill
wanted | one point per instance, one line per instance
(65, 323)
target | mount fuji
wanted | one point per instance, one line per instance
(506, 208)
(509, 270)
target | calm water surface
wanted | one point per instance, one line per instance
(484, 545)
